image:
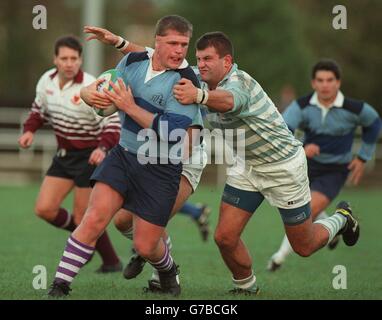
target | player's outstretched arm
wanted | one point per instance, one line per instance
(107, 37)
(218, 100)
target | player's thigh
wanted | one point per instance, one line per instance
(185, 190)
(318, 203)
(236, 208)
(301, 235)
(80, 202)
(104, 202)
(53, 191)
(298, 225)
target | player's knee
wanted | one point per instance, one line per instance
(224, 240)
(302, 251)
(44, 212)
(94, 220)
(144, 249)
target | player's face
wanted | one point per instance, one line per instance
(170, 50)
(326, 85)
(212, 68)
(68, 63)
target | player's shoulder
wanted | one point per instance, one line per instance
(49, 74)
(133, 57)
(304, 101)
(243, 81)
(46, 78)
(353, 105)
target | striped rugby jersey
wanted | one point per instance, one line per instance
(153, 92)
(267, 137)
(333, 129)
(75, 124)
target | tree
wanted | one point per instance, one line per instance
(266, 36)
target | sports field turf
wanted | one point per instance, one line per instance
(26, 241)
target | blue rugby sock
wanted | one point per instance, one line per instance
(191, 210)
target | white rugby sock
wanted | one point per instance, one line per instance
(333, 224)
(284, 251)
(245, 283)
(322, 215)
(169, 243)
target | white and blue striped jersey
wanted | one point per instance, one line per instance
(267, 137)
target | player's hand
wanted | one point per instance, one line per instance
(94, 98)
(121, 96)
(357, 168)
(100, 34)
(311, 150)
(97, 156)
(185, 91)
(26, 139)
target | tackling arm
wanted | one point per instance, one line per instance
(107, 37)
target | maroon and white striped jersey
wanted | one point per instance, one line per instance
(75, 124)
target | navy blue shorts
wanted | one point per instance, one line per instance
(73, 165)
(149, 190)
(327, 179)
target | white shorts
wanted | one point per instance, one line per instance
(284, 184)
(193, 167)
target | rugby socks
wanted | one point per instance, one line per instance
(283, 252)
(322, 215)
(105, 248)
(333, 224)
(168, 243)
(128, 233)
(64, 220)
(76, 255)
(191, 210)
(155, 275)
(245, 284)
(165, 263)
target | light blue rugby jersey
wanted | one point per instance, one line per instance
(334, 132)
(155, 96)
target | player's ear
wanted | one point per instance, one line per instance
(227, 60)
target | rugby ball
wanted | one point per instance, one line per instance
(109, 75)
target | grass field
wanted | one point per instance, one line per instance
(26, 241)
